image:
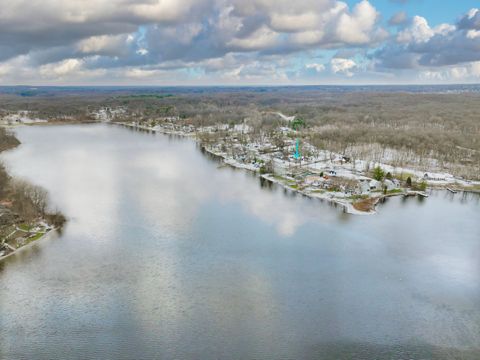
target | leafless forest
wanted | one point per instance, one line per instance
(432, 131)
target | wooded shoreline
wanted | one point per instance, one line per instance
(25, 216)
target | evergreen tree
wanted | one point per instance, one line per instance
(409, 182)
(378, 173)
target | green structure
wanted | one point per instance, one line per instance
(297, 122)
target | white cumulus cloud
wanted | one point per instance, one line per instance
(343, 66)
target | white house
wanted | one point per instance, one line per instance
(363, 186)
(375, 185)
(391, 184)
(314, 180)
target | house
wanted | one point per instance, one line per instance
(390, 185)
(21, 241)
(363, 186)
(375, 185)
(6, 203)
(242, 128)
(327, 184)
(428, 176)
(313, 180)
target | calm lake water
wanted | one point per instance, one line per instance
(168, 255)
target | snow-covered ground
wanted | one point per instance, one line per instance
(284, 117)
(21, 117)
(108, 114)
(357, 170)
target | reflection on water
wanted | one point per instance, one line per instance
(168, 255)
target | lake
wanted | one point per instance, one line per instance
(167, 254)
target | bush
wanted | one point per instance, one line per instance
(422, 186)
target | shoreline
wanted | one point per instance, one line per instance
(347, 205)
(155, 130)
(347, 202)
(30, 244)
(44, 227)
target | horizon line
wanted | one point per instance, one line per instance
(240, 85)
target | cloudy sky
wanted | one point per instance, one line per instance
(234, 42)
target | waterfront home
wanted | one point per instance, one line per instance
(375, 185)
(432, 177)
(363, 186)
(21, 241)
(391, 184)
(242, 128)
(314, 180)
